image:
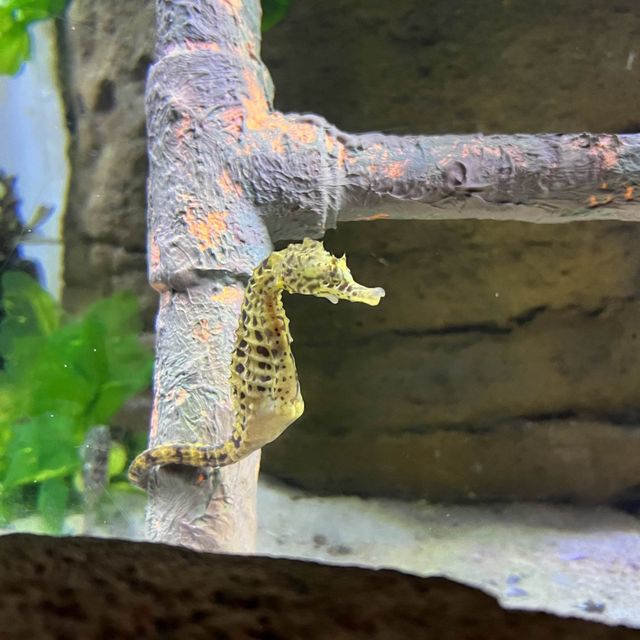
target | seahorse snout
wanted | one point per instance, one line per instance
(366, 295)
(373, 296)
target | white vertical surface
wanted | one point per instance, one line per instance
(33, 147)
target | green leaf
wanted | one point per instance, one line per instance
(85, 369)
(110, 397)
(15, 17)
(61, 376)
(125, 487)
(273, 11)
(128, 364)
(40, 450)
(52, 503)
(32, 10)
(47, 377)
(15, 48)
(119, 314)
(48, 7)
(29, 310)
(10, 404)
(117, 459)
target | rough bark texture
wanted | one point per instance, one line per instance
(88, 588)
(205, 237)
(543, 178)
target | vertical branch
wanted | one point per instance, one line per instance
(204, 236)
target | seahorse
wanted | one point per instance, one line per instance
(266, 396)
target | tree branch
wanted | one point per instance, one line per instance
(531, 178)
(205, 236)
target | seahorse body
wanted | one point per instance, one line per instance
(265, 389)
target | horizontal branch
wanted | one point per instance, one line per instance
(532, 178)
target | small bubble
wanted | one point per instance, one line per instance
(496, 294)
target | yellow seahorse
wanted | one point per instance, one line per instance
(265, 390)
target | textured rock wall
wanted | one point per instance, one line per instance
(501, 364)
(504, 361)
(106, 54)
(87, 588)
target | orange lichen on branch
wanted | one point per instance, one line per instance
(618, 195)
(228, 295)
(228, 186)
(234, 6)
(396, 170)
(201, 46)
(154, 253)
(181, 396)
(256, 107)
(302, 132)
(183, 126)
(610, 159)
(208, 230)
(274, 126)
(375, 216)
(153, 427)
(336, 148)
(592, 201)
(231, 121)
(207, 227)
(604, 151)
(201, 332)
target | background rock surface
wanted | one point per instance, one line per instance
(504, 362)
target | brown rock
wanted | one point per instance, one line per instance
(107, 54)
(87, 588)
(444, 364)
(561, 460)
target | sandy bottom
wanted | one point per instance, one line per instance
(581, 562)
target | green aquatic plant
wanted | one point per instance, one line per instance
(62, 375)
(273, 11)
(15, 18)
(17, 15)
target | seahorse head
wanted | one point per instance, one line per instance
(310, 269)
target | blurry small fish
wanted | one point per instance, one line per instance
(591, 606)
(631, 58)
(42, 213)
(95, 465)
(30, 233)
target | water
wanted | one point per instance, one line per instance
(482, 421)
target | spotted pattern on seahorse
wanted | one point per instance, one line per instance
(265, 390)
